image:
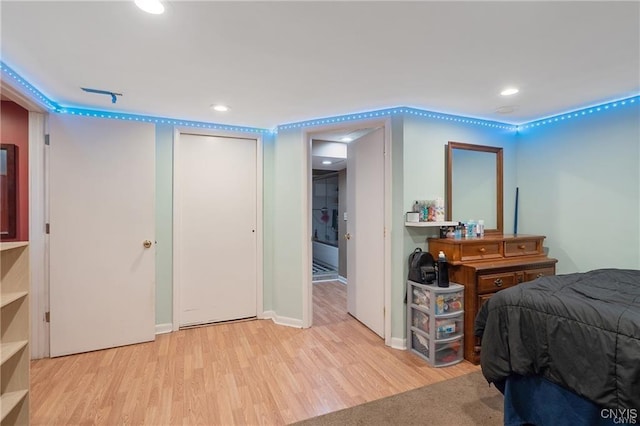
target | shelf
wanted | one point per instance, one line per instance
(421, 332)
(430, 224)
(449, 315)
(13, 245)
(421, 308)
(9, 400)
(448, 340)
(7, 298)
(7, 350)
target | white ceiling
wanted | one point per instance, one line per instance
(283, 62)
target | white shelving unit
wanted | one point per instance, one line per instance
(430, 224)
(435, 322)
(14, 343)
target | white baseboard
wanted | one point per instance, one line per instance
(342, 279)
(164, 328)
(398, 343)
(280, 320)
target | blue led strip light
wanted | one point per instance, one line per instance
(24, 83)
(461, 119)
(634, 100)
(395, 111)
(54, 106)
(159, 120)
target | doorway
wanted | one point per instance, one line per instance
(328, 195)
(361, 233)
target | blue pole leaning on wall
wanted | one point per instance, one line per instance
(515, 219)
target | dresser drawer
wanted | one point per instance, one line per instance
(532, 274)
(481, 250)
(494, 282)
(522, 248)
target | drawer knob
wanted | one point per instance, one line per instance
(498, 282)
(482, 249)
(521, 247)
(477, 349)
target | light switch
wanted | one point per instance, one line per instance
(345, 216)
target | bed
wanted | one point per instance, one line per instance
(566, 348)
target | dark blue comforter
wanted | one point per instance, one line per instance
(580, 331)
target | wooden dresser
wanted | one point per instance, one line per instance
(487, 265)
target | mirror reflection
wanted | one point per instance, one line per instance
(474, 184)
(325, 209)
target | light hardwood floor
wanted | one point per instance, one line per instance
(252, 372)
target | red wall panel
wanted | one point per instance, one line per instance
(14, 129)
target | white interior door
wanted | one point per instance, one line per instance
(215, 241)
(365, 230)
(102, 201)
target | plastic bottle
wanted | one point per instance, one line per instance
(471, 229)
(443, 270)
(480, 232)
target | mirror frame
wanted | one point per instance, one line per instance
(499, 184)
(9, 201)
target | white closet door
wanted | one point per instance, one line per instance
(215, 249)
(365, 228)
(102, 195)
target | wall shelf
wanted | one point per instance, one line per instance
(430, 224)
(13, 244)
(14, 334)
(8, 350)
(7, 298)
(9, 400)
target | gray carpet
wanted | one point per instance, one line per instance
(465, 400)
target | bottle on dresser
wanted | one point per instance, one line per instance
(443, 270)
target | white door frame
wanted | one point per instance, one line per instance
(38, 214)
(177, 218)
(307, 293)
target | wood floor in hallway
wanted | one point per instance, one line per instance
(244, 373)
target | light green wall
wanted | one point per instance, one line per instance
(423, 156)
(580, 186)
(268, 218)
(287, 216)
(164, 224)
(398, 277)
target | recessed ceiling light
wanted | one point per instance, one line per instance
(154, 7)
(509, 91)
(220, 108)
(327, 162)
(346, 139)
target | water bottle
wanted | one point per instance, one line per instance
(443, 270)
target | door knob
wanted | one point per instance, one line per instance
(347, 236)
(147, 244)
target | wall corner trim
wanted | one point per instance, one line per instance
(399, 343)
(164, 328)
(280, 320)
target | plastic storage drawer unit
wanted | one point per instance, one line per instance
(435, 322)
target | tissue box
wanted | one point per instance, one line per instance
(413, 217)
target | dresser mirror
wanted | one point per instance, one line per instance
(474, 185)
(8, 191)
